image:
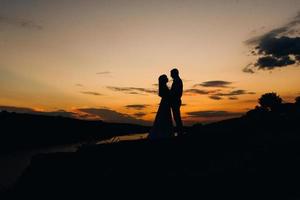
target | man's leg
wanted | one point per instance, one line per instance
(177, 118)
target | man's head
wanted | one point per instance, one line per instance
(174, 73)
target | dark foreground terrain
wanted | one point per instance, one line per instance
(32, 131)
(256, 156)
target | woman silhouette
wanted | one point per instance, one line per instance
(163, 125)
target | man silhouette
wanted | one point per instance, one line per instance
(175, 94)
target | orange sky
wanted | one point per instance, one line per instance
(95, 54)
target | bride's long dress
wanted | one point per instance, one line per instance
(163, 124)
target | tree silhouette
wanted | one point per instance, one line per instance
(270, 101)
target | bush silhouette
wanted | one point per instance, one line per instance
(270, 101)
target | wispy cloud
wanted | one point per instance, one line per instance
(215, 97)
(219, 94)
(234, 93)
(233, 98)
(249, 69)
(220, 89)
(19, 22)
(137, 106)
(140, 114)
(103, 73)
(132, 90)
(199, 91)
(91, 93)
(215, 83)
(79, 85)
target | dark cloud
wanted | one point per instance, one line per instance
(113, 116)
(271, 62)
(277, 48)
(139, 114)
(132, 90)
(18, 22)
(91, 93)
(215, 97)
(136, 106)
(103, 73)
(213, 114)
(79, 85)
(217, 83)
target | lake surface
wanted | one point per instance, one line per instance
(138, 136)
(12, 165)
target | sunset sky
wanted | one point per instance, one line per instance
(101, 59)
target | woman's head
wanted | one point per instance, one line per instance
(163, 79)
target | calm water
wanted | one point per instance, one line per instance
(138, 136)
(12, 165)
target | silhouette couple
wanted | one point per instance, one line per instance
(169, 106)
